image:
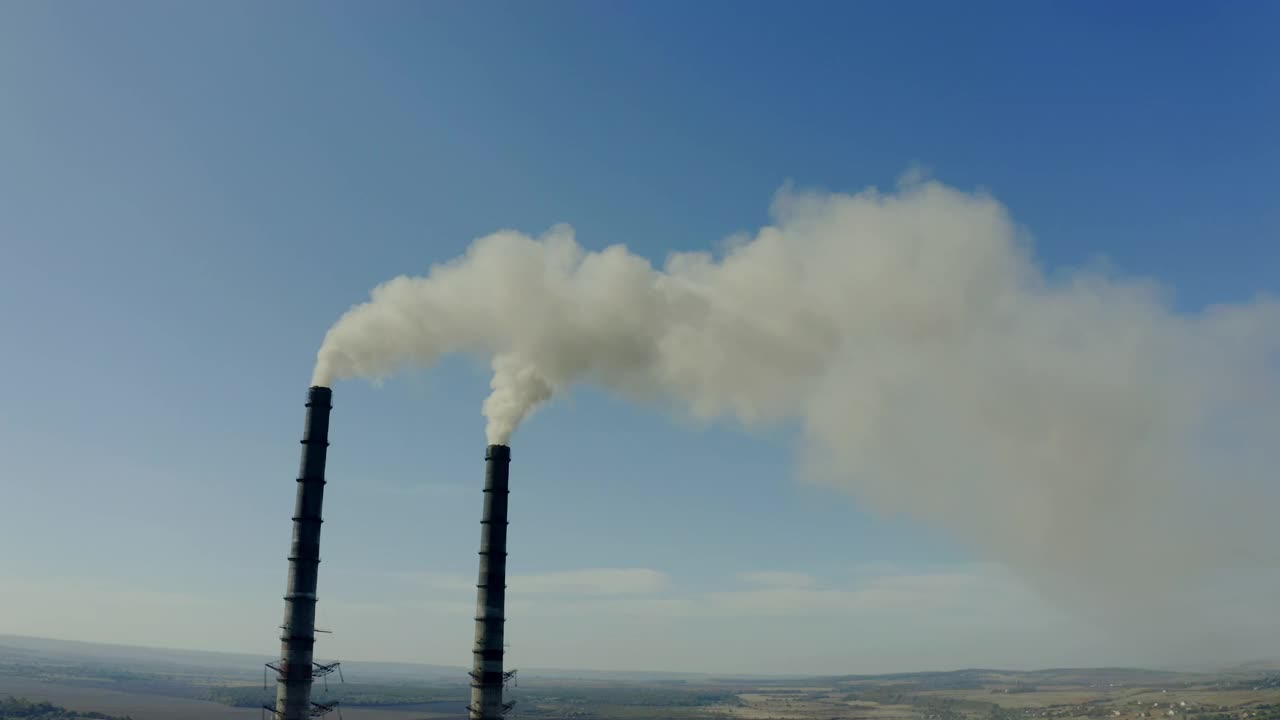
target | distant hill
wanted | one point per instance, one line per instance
(13, 707)
(71, 649)
(1255, 666)
(170, 660)
(247, 666)
(971, 678)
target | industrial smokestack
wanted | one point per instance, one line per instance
(293, 692)
(487, 676)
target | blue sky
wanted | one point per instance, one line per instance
(190, 196)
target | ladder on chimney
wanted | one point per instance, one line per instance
(507, 677)
(318, 670)
(317, 710)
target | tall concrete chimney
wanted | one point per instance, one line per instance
(293, 692)
(487, 677)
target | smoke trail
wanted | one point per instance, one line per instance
(517, 390)
(1073, 426)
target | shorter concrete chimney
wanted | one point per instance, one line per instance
(293, 693)
(487, 676)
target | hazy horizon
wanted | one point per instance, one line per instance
(40, 643)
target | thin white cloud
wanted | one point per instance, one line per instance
(426, 489)
(440, 583)
(778, 578)
(956, 591)
(596, 581)
(588, 581)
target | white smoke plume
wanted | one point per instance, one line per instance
(1071, 425)
(517, 390)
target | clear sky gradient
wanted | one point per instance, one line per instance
(191, 194)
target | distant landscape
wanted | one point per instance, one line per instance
(58, 680)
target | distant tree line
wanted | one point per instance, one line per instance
(348, 694)
(372, 694)
(13, 708)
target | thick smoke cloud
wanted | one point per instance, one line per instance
(1071, 425)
